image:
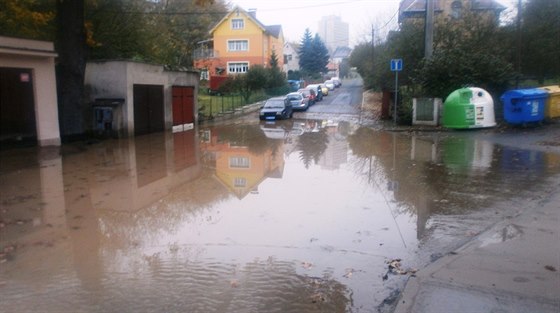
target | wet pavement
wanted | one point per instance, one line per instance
(304, 215)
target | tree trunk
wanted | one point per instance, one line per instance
(70, 69)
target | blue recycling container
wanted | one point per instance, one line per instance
(524, 105)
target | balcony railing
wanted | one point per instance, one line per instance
(205, 54)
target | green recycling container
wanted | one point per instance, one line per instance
(458, 111)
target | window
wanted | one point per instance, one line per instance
(206, 136)
(237, 23)
(287, 58)
(240, 182)
(456, 7)
(240, 67)
(204, 74)
(238, 45)
(239, 162)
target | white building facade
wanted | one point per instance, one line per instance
(291, 58)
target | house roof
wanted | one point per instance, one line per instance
(341, 52)
(408, 7)
(273, 30)
(487, 5)
(21, 46)
(413, 6)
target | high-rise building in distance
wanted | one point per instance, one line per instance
(334, 32)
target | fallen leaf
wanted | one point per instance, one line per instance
(307, 265)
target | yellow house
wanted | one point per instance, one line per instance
(238, 42)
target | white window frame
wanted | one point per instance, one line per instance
(239, 67)
(236, 45)
(239, 162)
(237, 23)
(240, 182)
(204, 74)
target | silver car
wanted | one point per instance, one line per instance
(298, 101)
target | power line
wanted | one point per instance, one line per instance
(313, 5)
(164, 12)
(391, 19)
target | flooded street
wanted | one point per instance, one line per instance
(295, 216)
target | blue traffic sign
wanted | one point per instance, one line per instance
(396, 65)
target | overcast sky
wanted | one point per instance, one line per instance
(297, 15)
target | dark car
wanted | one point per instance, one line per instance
(276, 108)
(318, 91)
(298, 101)
(309, 94)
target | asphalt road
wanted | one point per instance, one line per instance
(346, 99)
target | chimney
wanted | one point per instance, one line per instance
(253, 13)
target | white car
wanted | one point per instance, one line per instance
(329, 84)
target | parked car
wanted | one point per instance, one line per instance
(308, 93)
(294, 85)
(324, 89)
(337, 82)
(317, 90)
(276, 108)
(330, 84)
(298, 101)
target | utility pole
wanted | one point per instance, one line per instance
(518, 44)
(372, 48)
(429, 29)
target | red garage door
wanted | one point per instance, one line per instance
(183, 107)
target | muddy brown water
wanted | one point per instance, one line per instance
(296, 216)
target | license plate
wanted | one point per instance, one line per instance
(270, 118)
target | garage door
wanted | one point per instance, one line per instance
(183, 107)
(148, 109)
(17, 107)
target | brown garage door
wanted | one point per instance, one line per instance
(148, 109)
(183, 105)
(17, 107)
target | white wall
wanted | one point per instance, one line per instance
(39, 57)
(115, 79)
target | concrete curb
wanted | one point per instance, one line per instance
(512, 267)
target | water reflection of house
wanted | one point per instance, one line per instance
(238, 168)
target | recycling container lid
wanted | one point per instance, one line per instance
(525, 93)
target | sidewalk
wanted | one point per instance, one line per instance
(513, 267)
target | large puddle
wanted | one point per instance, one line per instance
(296, 216)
